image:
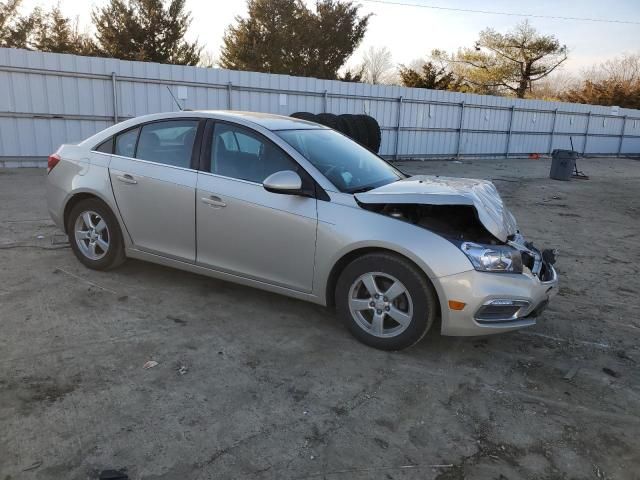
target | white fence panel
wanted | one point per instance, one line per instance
(47, 99)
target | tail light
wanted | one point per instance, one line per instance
(52, 162)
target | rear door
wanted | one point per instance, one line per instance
(244, 229)
(154, 185)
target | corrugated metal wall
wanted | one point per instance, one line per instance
(47, 99)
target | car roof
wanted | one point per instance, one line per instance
(266, 120)
(269, 121)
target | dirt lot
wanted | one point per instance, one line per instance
(277, 388)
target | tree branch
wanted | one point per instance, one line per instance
(498, 52)
(548, 71)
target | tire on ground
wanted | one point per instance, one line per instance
(332, 121)
(373, 131)
(348, 128)
(423, 296)
(308, 116)
(115, 254)
(356, 129)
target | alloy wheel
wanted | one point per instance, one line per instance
(380, 304)
(92, 235)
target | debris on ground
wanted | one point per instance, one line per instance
(611, 373)
(177, 320)
(571, 373)
(113, 475)
(33, 466)
(182, 370)
(59, 239)
(622, 354)
(150, 364)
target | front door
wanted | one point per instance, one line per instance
(154, 186)
(242, 228)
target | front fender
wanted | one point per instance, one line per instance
(343, 229)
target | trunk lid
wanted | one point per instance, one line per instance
(436, 190)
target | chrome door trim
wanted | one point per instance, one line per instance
(202, 172)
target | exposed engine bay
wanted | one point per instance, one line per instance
(460, 224)
(454, 222)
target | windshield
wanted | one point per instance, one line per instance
(349, 166)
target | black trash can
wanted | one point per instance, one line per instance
(562, 164)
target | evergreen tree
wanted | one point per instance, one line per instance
(284, 36)
(145, 30)
(430, 76)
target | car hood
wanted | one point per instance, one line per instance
(436, 190)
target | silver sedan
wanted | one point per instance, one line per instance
(299, 209)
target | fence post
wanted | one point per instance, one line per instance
(506, 154)
(586, 134)
(229, 104)
(460, 129)
(553, 130)
(398, 119)
(624, 127)
(325, 107)
(114, 86)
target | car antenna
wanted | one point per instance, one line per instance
(174, 98)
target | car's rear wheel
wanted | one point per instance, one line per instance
(385, 301)
(94, 235)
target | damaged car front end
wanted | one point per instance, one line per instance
(510, 282)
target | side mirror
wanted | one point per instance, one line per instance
(285, 181)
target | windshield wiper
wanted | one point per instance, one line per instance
(361, 189)
(371, 186)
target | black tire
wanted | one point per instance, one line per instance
(373, 131)
(421, 295)
(331, 120)
(114, 254)
(357, 129)
(349, 128)
(308, 116)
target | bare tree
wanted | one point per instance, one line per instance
(623, 69)
(614, 82)
(208, 59)
(377, 65)
(554, 86)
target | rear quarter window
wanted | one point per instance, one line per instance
(125, 144)
(105, 147)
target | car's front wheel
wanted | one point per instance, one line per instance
(94, 235)
(385, 301)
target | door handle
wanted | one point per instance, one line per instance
(214, 201)
(126, 178)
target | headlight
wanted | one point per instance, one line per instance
(493, 258)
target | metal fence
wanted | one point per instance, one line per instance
(47, 99)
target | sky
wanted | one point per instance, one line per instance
(410, 33)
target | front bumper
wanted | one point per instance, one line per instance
(528, 294)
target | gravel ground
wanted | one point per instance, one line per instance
(254, 385)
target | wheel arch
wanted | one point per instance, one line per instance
(77, 197)
(348, 257)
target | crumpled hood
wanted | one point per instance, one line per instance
(435, 190)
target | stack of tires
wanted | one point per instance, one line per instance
(364, 129)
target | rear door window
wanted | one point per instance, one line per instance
(168, 142)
